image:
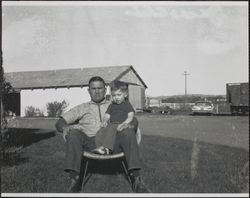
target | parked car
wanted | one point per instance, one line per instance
(203, 107)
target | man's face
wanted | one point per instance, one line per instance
(97, 91)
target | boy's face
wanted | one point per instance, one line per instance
(118, 96)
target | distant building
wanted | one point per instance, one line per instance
(37, 88)
(174, 105)
(154, 102)
(158, 102)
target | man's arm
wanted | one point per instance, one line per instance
(134, 123)
(63, 127)
(60, 124)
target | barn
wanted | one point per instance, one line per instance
(37, 88)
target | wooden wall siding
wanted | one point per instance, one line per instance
(136, 96)
(130, 77)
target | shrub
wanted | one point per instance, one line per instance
(31, 111)
(55, 109)
(5, 89)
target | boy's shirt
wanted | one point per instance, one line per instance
(119, 112)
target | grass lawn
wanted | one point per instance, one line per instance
(170, 165)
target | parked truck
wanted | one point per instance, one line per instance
(238, 97)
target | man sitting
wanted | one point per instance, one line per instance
(79, 127)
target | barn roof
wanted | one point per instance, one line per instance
(62, 78)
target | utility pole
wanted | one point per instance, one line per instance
(185, 74)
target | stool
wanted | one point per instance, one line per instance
(87, 156)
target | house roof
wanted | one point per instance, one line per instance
(62, 78)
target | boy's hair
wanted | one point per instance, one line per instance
(118, 85)
(97, 78)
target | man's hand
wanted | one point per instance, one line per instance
(66, 129)
(104, 124)
(122, 126)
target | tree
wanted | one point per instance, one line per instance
(5, 88)
(55, 109)
(31, 111)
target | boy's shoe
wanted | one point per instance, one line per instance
(75, 186)
(108, 151)
(99, 150)
(102, 151)
(138, 185)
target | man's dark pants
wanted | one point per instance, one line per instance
(77, 142)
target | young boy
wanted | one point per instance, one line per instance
(118, 117)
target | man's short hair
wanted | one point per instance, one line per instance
(97, 78)
(118, 85)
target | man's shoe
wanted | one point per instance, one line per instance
(75, 186)
(138, 186)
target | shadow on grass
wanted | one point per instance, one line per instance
(19, 138)
(106, 168)
(26, 137)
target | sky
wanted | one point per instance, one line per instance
(161, 40)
